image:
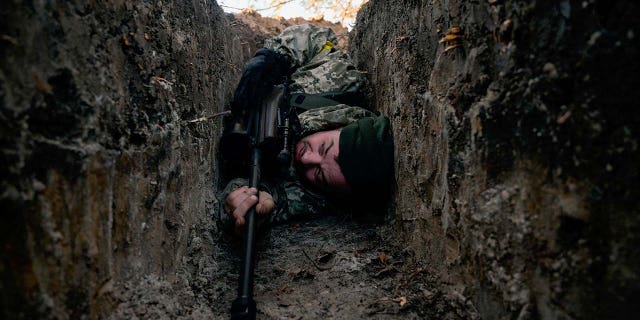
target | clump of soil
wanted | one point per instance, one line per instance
(257, 28)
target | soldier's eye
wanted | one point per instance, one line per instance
(329, 147)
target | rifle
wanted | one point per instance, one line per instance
(258, 132)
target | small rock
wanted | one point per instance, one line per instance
(301, 274)
(594, 38)
(38, 186)
(550, 70)
(428, 294)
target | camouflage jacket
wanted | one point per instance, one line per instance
(320, 68)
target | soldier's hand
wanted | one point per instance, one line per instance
(241, 200)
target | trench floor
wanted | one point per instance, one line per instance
(334, 269)
(322, 269)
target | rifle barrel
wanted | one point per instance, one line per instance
(244, 307)
(263, 127)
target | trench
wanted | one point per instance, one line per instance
(516, 165)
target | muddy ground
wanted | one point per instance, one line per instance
(323, 269)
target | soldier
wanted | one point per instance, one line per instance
(343, 159)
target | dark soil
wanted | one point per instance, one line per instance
(322, 269)
(332, 269)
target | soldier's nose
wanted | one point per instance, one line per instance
(310, 157)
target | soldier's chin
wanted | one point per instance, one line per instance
(339, 192)
(336, 192)
(298, 168)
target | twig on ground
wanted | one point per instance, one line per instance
(314, 262)
(409, 280)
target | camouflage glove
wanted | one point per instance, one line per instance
(264, 70)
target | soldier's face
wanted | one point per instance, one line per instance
(316, 157)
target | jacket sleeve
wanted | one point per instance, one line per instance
(301, 43)
(293, 202)
(296, 202)
(318, 67)
(330, 117)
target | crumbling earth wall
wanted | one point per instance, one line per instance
(516, 148)
(254, 28)
(106, 186)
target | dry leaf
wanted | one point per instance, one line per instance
(9, 39)
(561, 119)
(401, 300)
(125, 41)
(383, 257)
(41, 85)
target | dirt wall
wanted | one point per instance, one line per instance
(107, 191)
(255, 28)
(516, 148)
